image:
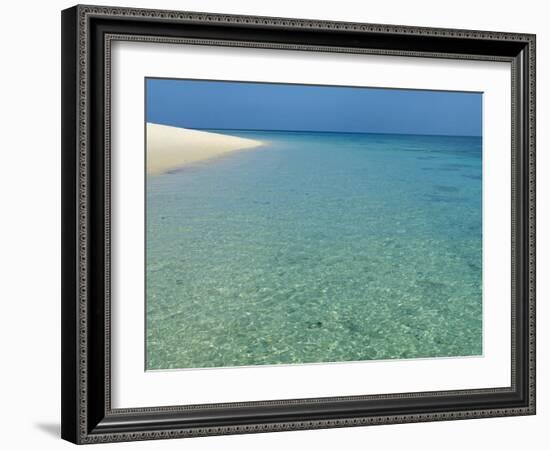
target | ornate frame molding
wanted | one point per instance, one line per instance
(80, 417)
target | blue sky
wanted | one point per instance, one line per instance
(270, 106)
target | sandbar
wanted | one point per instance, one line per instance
(169, 148)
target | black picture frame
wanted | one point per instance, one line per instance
(87, 416)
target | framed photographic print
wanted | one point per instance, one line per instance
(276, 224)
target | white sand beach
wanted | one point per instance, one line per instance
(172, 147)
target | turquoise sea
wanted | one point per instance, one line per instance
(318, 247)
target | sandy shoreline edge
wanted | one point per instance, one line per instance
(170, 147)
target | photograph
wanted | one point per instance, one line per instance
(299, 224)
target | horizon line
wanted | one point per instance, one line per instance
(327, 132)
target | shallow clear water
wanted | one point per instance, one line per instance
(319, 247)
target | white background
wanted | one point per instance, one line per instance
(133, 387)
(30, 187)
